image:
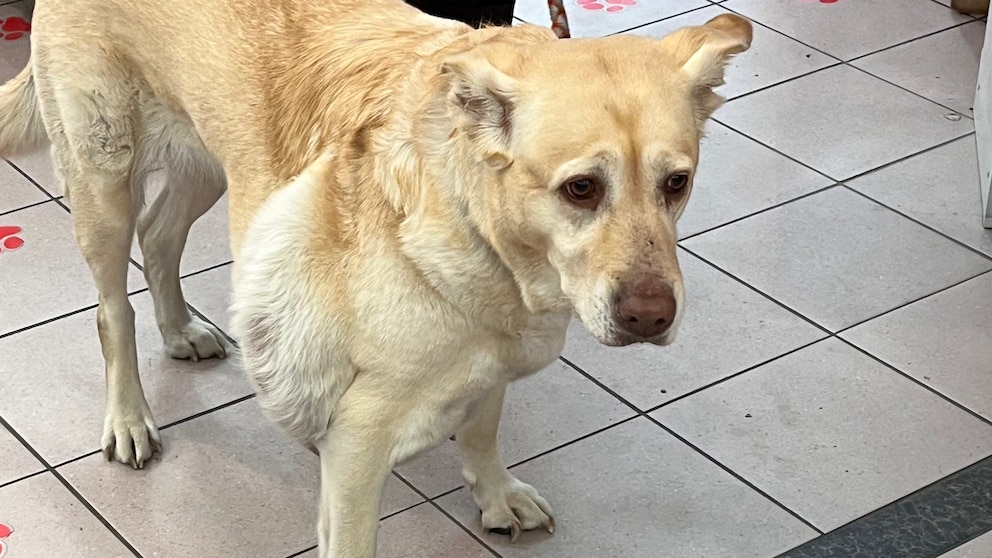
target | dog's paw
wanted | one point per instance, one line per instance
(130, 437)
(195, 340)
(513, 506)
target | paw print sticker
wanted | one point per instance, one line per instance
(14, 28)
(611, 6)
(5, 532)
(824, 1)
(9, 240)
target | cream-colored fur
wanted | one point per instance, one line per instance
(417, 210)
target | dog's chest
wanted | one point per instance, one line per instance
(534, 346)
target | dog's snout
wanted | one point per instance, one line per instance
(646, 308)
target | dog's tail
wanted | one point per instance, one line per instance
(21, 127)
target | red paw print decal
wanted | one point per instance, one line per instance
(9, 239)
(5, 532)
(824, 1)
(606, 5)
(14, 28)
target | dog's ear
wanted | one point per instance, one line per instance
(702, 53)
(482, 98)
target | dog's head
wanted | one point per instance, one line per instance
(591, 148)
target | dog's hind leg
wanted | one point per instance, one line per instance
(194, 183)
(90, 119)
(508, 505)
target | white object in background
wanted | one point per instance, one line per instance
(983, 126)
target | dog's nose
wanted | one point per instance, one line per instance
(646, 308)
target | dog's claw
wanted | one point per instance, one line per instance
(131, 439)
(511, 507)
(514, 531)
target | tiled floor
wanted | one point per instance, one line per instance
(835, 357)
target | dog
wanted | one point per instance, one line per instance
(417, 210)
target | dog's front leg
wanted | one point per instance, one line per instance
(508, 505)
(354, 467)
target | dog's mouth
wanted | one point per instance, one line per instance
(616, 338)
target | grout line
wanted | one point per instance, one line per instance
(920, 223)
(302, 552)
(784, 81)
(639, 26)
(842, 184)
(694, 447)
(759, 212)
(68, 486)
(907, 157)
(910, 303)
(381, 519)
(760, 292)
(23, 478)
(211, 410)
(841, 61)
(28, 206)
(206, 269)
(547, 452)
(735, 374)
(910, 91)
(906, 42)
(915, 381)
(61, 316)
(28, 177)
(437, 506)
(776, 150)
(900, 525)
(167, 426)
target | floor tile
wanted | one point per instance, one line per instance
(210, 293)
(941, 67)
(842, 121)
(825, 431)
(38, 165)
(922, 524)
(733, 180)
(541, 412)
(229, 484)
(850, 28)
(727, 328)
(14, 54)
(16, 191)
(977, 548)
(949, 201)
(633, 490)
(837, 257)
(424, 532)
(55, 398)
(17, 461)
(49, 521)
(47, 276)
(771, 59)
(208, 243)
(941, 341)
(587, 22)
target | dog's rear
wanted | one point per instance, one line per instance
(21, 127)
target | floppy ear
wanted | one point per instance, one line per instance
(702, 54)
(482, 98)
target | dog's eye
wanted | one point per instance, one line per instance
(583, 192)
(676, 182)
